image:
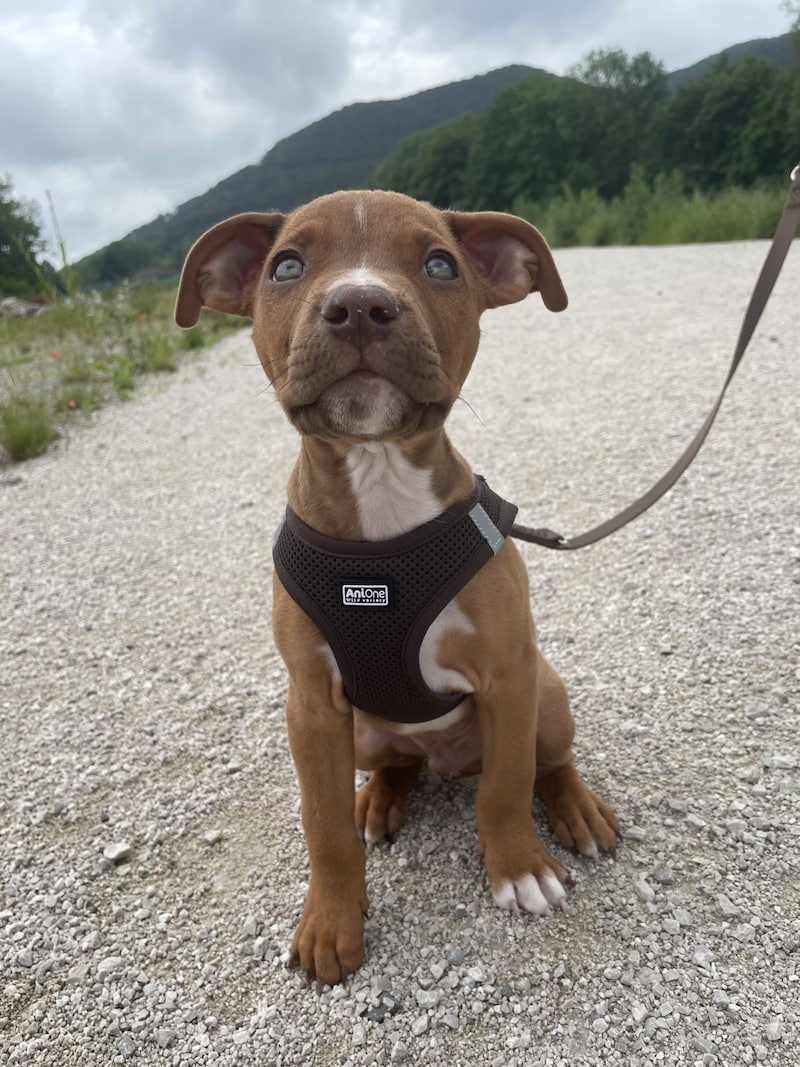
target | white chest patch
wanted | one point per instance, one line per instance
(392, 495)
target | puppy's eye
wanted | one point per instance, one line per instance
(441, 266)
(288, 268)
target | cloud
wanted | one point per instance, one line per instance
(125, 109)
(145, 104)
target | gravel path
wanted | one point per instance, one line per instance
(151, 860)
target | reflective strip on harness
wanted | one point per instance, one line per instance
(493, 536)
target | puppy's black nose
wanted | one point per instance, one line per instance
(359, 313)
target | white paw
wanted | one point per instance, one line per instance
(538, 896)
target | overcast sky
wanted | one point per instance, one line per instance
(124, 109)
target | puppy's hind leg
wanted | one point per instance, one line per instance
(580, 819)
(381, 801)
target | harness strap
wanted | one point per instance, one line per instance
(781, 243)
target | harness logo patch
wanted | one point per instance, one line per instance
(366, 593)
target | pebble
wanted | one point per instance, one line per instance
(428, 998)
(726, 907)
(702, 1044)
(252, 926)
(359, 1035)
(786, 762)
(127, 1046)
(118, 852)
(110, 965)
(775, 1030)
(644, 891)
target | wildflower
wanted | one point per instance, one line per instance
(72, 405)
(54, 355)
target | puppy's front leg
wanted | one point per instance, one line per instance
(521, 872)
(328, 942)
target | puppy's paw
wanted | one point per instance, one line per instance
(381, 802)
(540, 896)
(329, 941)
(523, 875)
(580, 819)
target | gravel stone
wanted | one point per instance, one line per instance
(775, 1030)
(428, 998)
(726, 907)
(110, 965)
(118, 852)
(644, 891)
(141, 699)
(359, 1035)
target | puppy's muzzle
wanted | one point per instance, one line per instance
(360, 314)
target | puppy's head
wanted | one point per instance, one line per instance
(365, 305)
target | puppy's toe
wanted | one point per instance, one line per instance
(580, 819)
(381, 803)
(539, 896)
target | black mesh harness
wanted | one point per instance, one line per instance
(375, 600)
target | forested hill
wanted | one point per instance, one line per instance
(339, 151)
(778, 50)
(352, 147)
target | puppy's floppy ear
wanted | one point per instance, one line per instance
(223, 266)
(509, 256)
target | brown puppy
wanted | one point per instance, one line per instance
(365, 308)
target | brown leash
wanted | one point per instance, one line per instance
(781, 243)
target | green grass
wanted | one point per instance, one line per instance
(83, 351)
(26, 428)
(655, 213)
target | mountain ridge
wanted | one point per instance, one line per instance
(344, 148)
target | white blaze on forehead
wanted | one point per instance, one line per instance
(360, 213)
(359, 276)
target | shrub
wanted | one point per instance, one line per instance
(659, 212)
(26, 428)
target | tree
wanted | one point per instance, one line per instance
(792, 9)
(731, 127)
(21, 243)
(538, 136)
(637, 83)
(636, 87)
(431, 165)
